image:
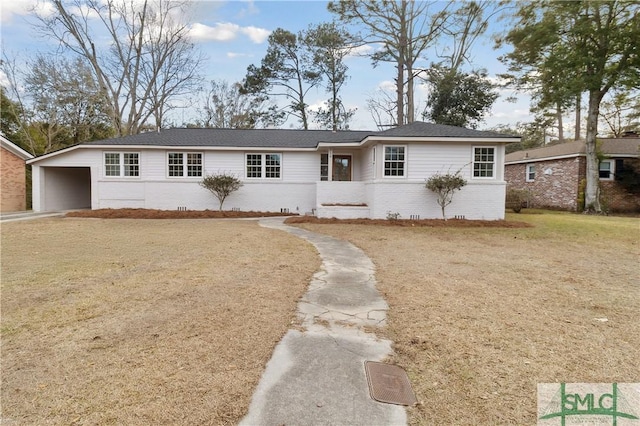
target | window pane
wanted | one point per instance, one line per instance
(272, 169)
(324, 166)
(605, 169)
(531, 172)
(394, 161)
(131, 164)
(254, 165)
(194, 164)
(112, 164)
(483, 162)
(176, 164)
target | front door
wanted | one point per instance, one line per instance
(341, 168)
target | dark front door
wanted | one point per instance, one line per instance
(341, 168)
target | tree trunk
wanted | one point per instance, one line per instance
(592, 190)
(401, 65)
(560, 124)
(400, 91)
(578, 108)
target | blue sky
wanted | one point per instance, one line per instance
(232, 35)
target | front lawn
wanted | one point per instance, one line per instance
(480, 316)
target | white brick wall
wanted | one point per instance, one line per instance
(298, 190)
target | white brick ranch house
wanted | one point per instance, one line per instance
(345, 174)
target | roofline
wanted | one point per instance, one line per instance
(562, 157)
(365, 141)
(165, 148)
(53, 154)
(439, 139)
(14, 149)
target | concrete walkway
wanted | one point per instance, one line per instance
(28, 215)
(316, 376)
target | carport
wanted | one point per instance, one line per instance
(64, 188)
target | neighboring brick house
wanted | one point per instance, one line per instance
(12, 176)
(553, 176)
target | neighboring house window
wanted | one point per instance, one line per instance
(266, 166)
(394, 161)
(531, 172)
(184, 164)
(606, 169)
(118, 164)
(324, 167)
(484, 162)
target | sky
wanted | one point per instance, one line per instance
(233, 35)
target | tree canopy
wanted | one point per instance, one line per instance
(576, 47)
(459, 99)
(284, 72)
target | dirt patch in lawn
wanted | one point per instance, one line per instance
(142, 322)
(480, 316)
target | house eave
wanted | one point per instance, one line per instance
(112, 147)
(564, 157)
(437, 139)
(15, 149)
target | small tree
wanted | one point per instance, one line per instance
(444, 185)
(221, 185)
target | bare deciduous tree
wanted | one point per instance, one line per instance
(147, 62)
(226, 107)
(404, 29)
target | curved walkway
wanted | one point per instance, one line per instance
(316, 376)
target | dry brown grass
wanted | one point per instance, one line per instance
(479, 316)
(172, 321)
(142, 322)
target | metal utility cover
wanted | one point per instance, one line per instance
(389, 383)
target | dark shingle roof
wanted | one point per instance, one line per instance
(285, 138)
(244, 138)
(422, 129)
(612, 147)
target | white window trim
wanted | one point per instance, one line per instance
(263, 166)
(121, 175)
(404, 162)
(612, 170)
(185, 165)
(495, 162)
(527, 173)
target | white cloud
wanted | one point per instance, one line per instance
(10, 9)
(4, 80)
(257, 35)
(220, 32)
(387, 85)
(226, 31)
(360, 51)
(318, 105)
(237, 55)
